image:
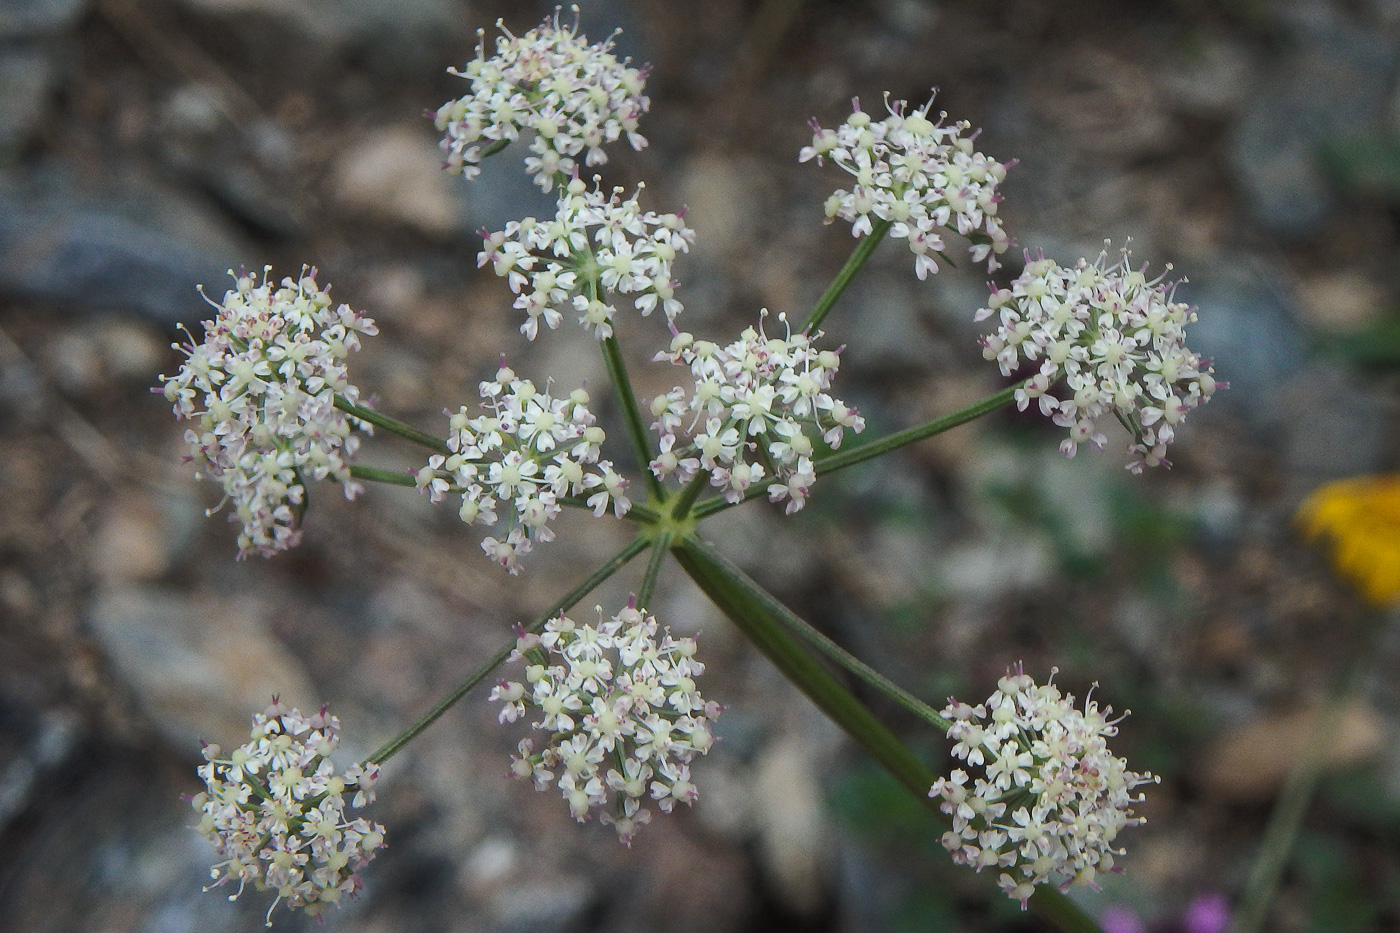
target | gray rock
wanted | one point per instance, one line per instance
(882, 307)
(27, 78)
(54, 738)
(246, 167)
(1334, 429)
(391, 37)
(1247, 325)
(33, 18)
(1333, 85)
(199, 668)
(503, 192)
(141, 250)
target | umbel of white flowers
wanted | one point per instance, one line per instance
(619, 715)
(275, 811)
(1116, 340)
(260, 389)
(1046, 799)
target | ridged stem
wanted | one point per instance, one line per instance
(753, 617)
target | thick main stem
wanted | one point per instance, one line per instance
(822, 643)
(769, 636)
(618, 561)
(809, 676)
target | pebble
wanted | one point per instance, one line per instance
(791, 820)
(1251, 762)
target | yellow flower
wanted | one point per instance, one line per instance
(1361, 517)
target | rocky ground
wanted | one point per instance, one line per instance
(150, 146)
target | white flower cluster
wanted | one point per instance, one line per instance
(521, 457)
(261, 388)
(748, 415)
(1116, 339)
(1052, 799)
(275, 811)
(573, 96)
(595, 245)
(921, 176)
(620, 707)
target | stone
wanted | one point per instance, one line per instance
(1250, 762)
(31, 18)
(141, 249)
(199, 668)
(141, 537)
(1247, 325)
(27, 78)
(1333, 85)
(791, 820)
(395, 173)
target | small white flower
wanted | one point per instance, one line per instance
(596, 247)
(757, 404)
(623, 717)
(261, 390)
(1115, 340)
(522, 456)
(1051, 763)
(275, 811)
(574, 97)
(921, 176)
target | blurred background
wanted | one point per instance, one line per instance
(147, 146)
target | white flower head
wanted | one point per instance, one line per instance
(1114, 340)
(261, 390)
(596, 248)
(574, 98)
(621, 713)
(758, 409)
(924, 177)
(276, 812)
(513, 464)
(1050, 798)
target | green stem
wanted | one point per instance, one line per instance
(851, 456)
(618, 561)
(821, 642)
(376, 475)
(641, 514)
(1276, 848)
(681, 508)
(632, 415)
(653, 572)
(854, 455)
(392, 425)
(808, 675)
(853, 265)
